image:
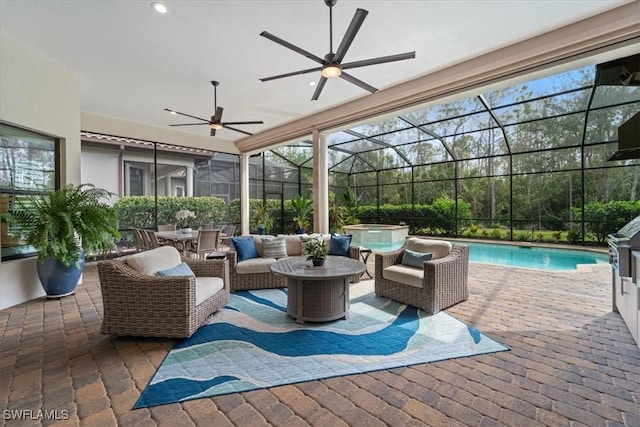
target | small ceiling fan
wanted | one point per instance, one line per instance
(331, 65)
(215, 123)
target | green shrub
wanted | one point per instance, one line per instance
(602, 219)
(138, 211)
(496, 234)
(522, 236)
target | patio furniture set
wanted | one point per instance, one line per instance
(161, 293)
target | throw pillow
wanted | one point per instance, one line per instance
(245, 247)
(181, 269)
(274, 247)
(339, 245)
(415, 259)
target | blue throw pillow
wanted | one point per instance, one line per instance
(245, 247)
(179, 270)
(339, 245)
(415, 259)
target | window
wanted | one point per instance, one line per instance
(136, 182)
(28, 165)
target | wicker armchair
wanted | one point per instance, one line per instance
(136, 304)
(444, 280)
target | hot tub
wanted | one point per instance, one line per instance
(377, 236)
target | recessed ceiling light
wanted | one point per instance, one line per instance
(312, 83)
(159, 7)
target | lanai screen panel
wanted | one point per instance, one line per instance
(425, 152)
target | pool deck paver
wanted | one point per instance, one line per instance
(572, 363)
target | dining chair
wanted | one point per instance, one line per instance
(145, 239)
(208, 241)
(228, 232)
(155, 242)
(138, 240)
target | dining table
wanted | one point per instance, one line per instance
(180, 238)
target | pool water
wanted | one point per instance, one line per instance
(523, 256)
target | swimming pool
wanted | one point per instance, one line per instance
(524, 256)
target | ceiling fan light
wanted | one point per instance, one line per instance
(159, 7)
(215, 126)
(331, 71)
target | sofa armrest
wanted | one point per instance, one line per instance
(354, 252)
(232, 257)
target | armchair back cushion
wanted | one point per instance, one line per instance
(150, 262)
(439, 248)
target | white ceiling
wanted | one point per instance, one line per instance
(134, 62)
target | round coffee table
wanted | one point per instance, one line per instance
(318, 294)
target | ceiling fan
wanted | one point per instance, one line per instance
(215, 123)
(331, 65)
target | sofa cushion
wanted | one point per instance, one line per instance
(293, 244)
(410, 276)
(206, 287)
(255, 265)
(415, 259)
(181, 269)
(149, 262)
(245, 247)
(274, 247)
(257, 241)
(439, 248)
(339, 245)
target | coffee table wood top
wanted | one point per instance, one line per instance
(334, 267)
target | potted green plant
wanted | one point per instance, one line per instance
(262, 217)
(316, 251)
(62, 226)
(301, 209)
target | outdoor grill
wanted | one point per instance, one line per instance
(621, 244)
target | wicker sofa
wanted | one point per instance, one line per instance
(138, 303)
(440, 283)
(255, 273)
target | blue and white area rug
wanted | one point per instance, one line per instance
(253, 344)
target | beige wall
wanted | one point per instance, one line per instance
(41, 95)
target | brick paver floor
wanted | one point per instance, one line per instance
(572, 363)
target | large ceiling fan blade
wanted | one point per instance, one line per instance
(294, 73)
(186, 115)
(218, 116)
(380, 60)
(354, 26)
(191, 124)
(357, 82)
(260, 122)
(294, 48)
(319, 88)
(237, 130)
